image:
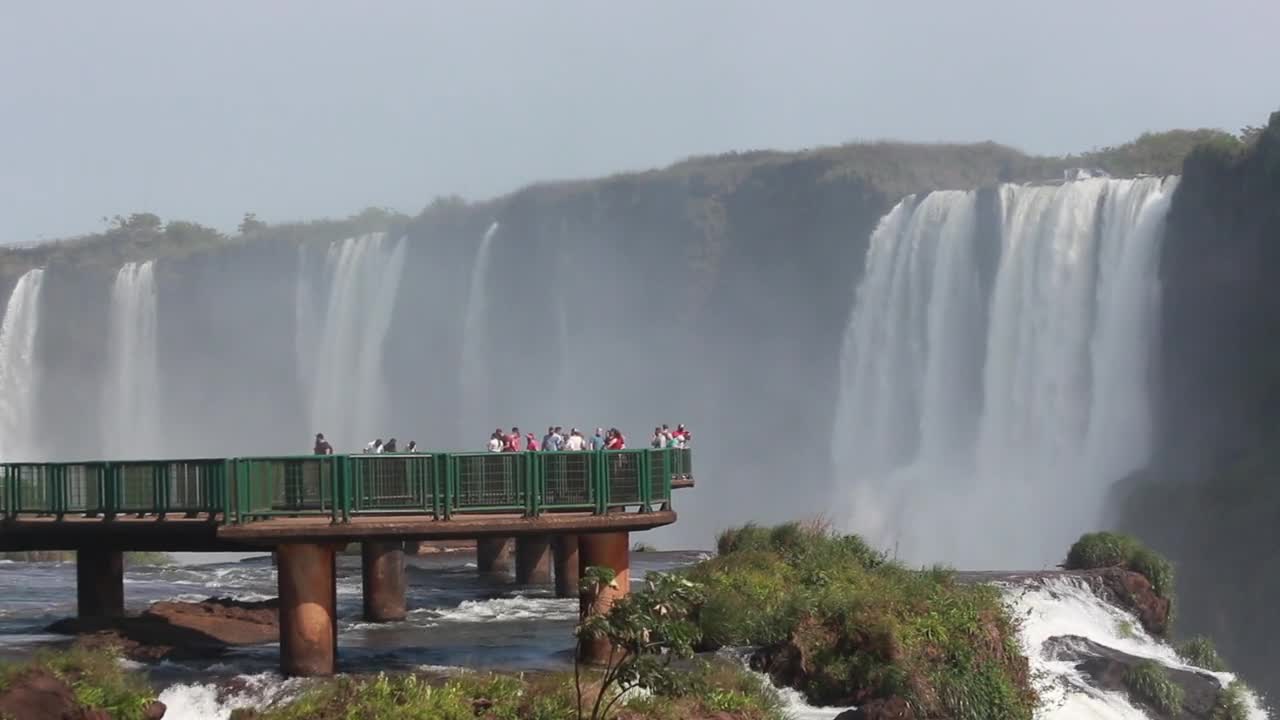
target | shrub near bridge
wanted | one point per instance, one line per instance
(843, 625)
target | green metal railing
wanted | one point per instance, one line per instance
(441, 485)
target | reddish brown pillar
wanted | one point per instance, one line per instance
(308, 621)
(533, 560)
(99, 582)
(493, 555)
(382, 570)
(611, 550)
(565, 551)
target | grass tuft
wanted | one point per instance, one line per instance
(1199, 651)
(1231, 703)
(96, 678)
(1148, 682)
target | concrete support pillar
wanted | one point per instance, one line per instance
(382, 570)
(493, 555)
(611, 550)
(308, 618)
(533, 560)
(99, 582)
(565, 550)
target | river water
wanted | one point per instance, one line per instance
(457, 619)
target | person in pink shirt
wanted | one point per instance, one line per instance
(530, 442)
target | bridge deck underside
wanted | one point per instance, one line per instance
(204, 534)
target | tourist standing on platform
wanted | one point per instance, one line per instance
(575, 443)
(530, 443)
(322, 446)
(597, 440)
(658, 440)
(412, 447)
(374, 447)
(548, 440)
(495, 441)
(390, 447)
(511, 443)
(615, 441)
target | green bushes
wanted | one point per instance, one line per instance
(1108, 549)
(1147, 682)
(702, 690)
(1231, 704)
(413, 697)
(1199, 651)
(844, 626)
(95, 677)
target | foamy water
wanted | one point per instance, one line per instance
(1062, 606)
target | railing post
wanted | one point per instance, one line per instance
(109, 490)
(450, 469)
(533, 472)
(602, 480)
(644, 481)
(346, 487)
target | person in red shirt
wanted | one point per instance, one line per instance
(615, 441)
(530, 443)
(511, 443)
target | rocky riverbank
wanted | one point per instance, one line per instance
(179, 630)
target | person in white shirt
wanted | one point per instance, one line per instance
(575, 443)
(495, 444)
(374, 447)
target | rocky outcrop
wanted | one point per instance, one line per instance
(1132, 591)
(179, 630)
(39, 694)
(1106, 668)
(1124, 588)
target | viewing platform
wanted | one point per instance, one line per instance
(565, 511)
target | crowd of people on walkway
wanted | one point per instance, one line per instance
(555, 439)
(377, 447)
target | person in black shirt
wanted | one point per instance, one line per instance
(322, 446)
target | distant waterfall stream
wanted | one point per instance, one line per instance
(18, 369)
(130, 395)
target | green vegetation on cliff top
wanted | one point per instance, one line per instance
(891, 169)
(845, 626)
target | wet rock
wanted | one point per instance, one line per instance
(894, 708)
(38, 695)
(1105, 669)
(178, 630)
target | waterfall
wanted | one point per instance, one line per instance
(18, 370)
(341, 360)
(130, 398)
(475, 368)
(982, 420)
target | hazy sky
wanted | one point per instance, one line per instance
(203, 110)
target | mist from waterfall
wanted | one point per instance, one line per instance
(475, 369)
(341, 352)
(995, 383)
(18, 369)
(130, 414)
